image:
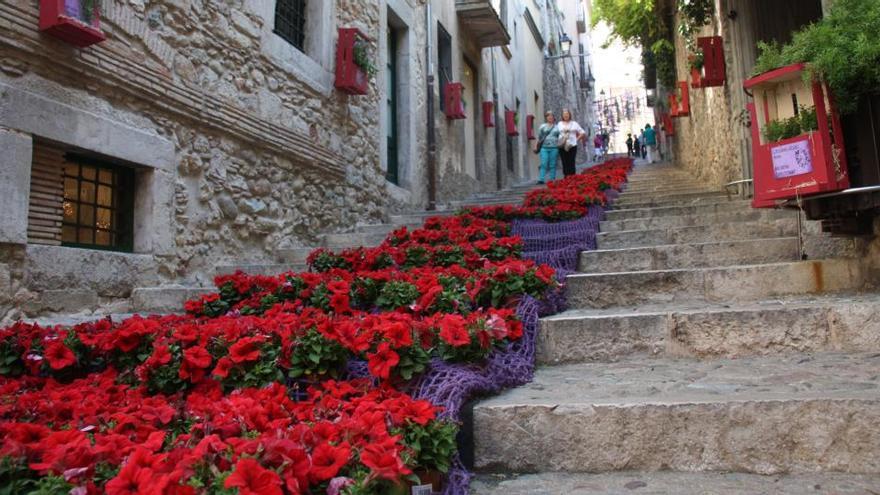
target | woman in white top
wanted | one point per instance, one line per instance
(570, 133)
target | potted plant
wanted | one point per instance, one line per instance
(362, 57)
(431, 447)
(354, 65)
(695, 62)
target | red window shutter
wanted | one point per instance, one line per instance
(714, 65)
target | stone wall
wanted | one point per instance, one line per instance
(708, 143)
(262, 152)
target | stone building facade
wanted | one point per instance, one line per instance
(235, 142)
(205, 134)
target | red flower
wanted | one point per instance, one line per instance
(59, 356)
(384, 462)
(453, 331)
(197, 357)
(223, 367)
(133, 480)
(195, 360)
(247, 349)
(327, 460)
(382, 361)
(251, 478)
(399, 334)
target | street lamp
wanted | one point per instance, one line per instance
(564, 48)
(565, 44)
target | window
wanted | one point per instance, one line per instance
(98, 204)
(290, 22)
(444, 62)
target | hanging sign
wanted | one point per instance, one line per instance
(792, 159)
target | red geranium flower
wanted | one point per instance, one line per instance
(453, 331)
(251, 478)
(223, 367)
(382, 361)
(59, 356)
(247, 349)
(384, 462)
(327, 460)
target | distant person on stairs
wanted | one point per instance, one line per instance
(548, 147)
(651, 142)
(597, 148)
(570, 133)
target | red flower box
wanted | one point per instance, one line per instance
(696, 78)
(668, 124)
(65, 20)
(714, 65)
(350, 78)
(810, 163)
(453, 102)
(684, 107)
(488, 114)
(510, 121)
(530, 127)
(673, 105)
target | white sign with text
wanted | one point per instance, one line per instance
(792, 159)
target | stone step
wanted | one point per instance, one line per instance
(384, 228)
(803, 324)
(655, 183)
(419, 218)
(488, 202)
(702, 199)
(661, 184)
(728, 284)
(783, 227)
(260, 268)
(675, 211)
(168, 299)
(674, 256)
(294, 255)
(666, 483)
(757, 415)
(352, 240)
(694, 219)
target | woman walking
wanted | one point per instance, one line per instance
(570, 132)
(548, 137)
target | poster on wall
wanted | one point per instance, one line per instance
(792, 159)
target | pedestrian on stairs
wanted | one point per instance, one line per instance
(651, 142)
(548, 147)
(570, 133)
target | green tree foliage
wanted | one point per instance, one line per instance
(840, 49)
(631, 21)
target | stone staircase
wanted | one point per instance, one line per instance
(702, 355)
(167, 299)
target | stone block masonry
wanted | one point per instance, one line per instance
(236, 152)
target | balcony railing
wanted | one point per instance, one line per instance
(481, 20)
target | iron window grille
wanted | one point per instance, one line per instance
(290, 22)
(98, 205)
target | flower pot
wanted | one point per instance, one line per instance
(432, 478)
(350, 78)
